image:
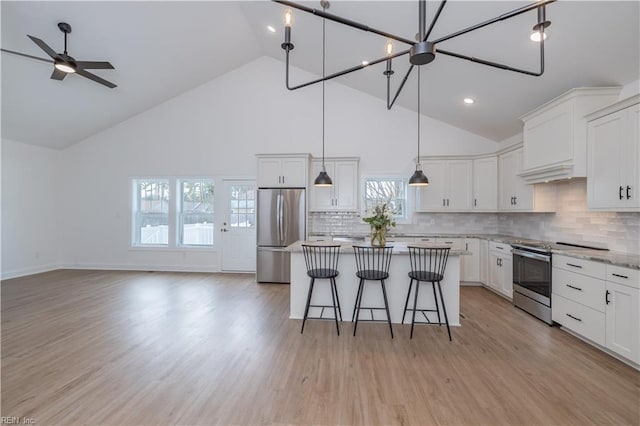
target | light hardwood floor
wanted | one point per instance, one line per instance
(95, 347)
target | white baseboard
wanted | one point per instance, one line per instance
(154, 268)
(7, 275)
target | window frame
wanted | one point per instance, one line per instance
(406, 218)
(173, 216)
(136, 200)
(179, 204)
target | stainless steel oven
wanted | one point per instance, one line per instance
(532, 281)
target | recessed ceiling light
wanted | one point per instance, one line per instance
(271, 29)
(468, 101)
(535, 36)
(365, 63)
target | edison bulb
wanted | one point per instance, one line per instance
(288, 17)
(389, 48)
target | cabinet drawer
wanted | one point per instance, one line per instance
(581, 266)
(455, 243)
(319, 238)
(585, 290)
(500, 247)
(400, 239)
(425, 240)
(624, 276)
(582, 320)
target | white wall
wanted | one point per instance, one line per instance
(30, 209)
(216, 129)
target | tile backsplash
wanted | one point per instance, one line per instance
(572, 222)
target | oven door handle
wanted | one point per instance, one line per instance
(530, 255)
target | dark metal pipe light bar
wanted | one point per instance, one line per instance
(421, 52)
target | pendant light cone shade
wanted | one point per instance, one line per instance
(418, 178)
(323, 178)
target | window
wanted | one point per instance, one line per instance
(151, 212)
(392, 191)
(195, 212)
(242, 212)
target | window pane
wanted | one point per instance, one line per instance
(242, 206)
(391, 191)
(196, 212)
(151, 212)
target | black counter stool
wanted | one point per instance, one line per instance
(372, 264)
(427, 265)
(322, 263)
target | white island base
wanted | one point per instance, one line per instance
(397, 286)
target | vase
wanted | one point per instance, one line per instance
(378, 236)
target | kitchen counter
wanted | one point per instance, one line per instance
(397, 285)
(625, 260)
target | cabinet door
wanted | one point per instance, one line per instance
(507, 277)
(294, 172)
(522, 192)
(632, 157)
(495, 272)
(623, 321)
(460, 177)
(471, 263)
(485, 184)
(269, 172)
(506, 187)
(433, 197)
(322, 197)
(484, 261)
(605, 145)
(345, 185)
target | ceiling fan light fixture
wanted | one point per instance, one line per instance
(64, 66)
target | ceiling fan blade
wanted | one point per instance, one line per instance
(95, 78)
(44, 46)
(58, 75)
(94, 65)
(27, 56)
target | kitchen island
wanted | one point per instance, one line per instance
(397, 285)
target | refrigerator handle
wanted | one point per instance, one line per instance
(280, 218)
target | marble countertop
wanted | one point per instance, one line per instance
(626, 260)
(398, 248)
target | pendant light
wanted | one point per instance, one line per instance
(323, 178)
(418, 178)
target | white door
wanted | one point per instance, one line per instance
(622, 320)
(460, 185)
(239, 226)
(433, 197)
(485, 184)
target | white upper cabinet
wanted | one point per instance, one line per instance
(450, 186)
(283, 170)
(514, 193)
(485, 184)
(343, 194)
(613, 182)
(555, 134)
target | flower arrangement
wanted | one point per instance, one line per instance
(380, 218)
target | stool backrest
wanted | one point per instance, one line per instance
(370, 258)
(429, 259)
(321, 257)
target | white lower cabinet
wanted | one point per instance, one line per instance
(470, 263)
(500, 269)
(484, 261)
(599, 302)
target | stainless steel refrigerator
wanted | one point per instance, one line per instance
(281, 222)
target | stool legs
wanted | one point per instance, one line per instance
(435, 297)
(386, 306)
(415, 305)
(356, 311)
(444, 310)
(335, 312)
(306, 308)
(335, 288)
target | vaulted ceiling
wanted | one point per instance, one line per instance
(162, 49)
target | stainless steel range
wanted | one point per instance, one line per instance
(532, 276)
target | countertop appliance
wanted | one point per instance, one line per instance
(281, 221)
(532, 276)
